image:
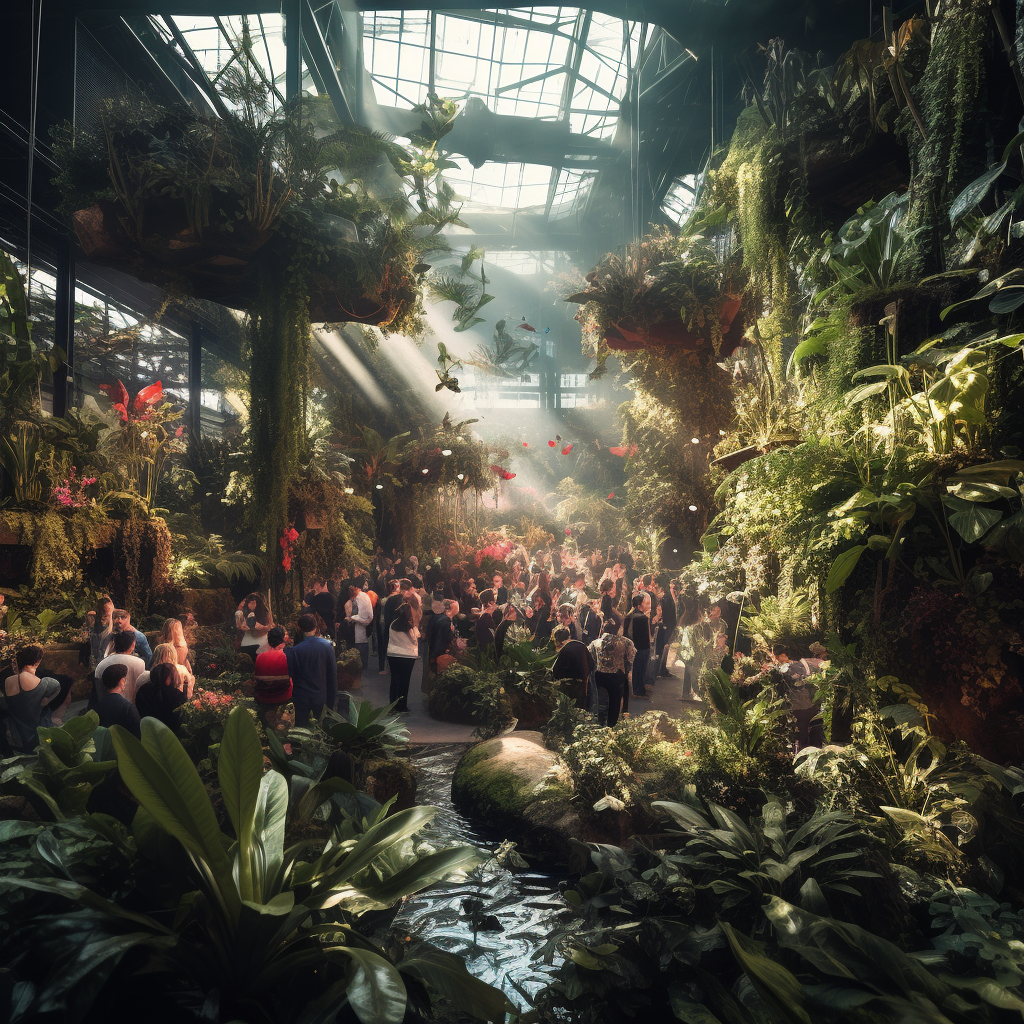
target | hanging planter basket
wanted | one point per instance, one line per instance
(166, 250)
(625, 336)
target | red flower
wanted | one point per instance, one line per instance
(568, 532)
(179, 431)
(526, 444)
(551, 444)
(567, 449)
(610, 496)
(140, 408)
(293, 534)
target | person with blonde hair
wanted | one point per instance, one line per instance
(165, 654)
(172, 632)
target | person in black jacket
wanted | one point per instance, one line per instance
(573, 665)
(638, 628)
(484, 628)
(113, 707)
(509, 617)
(162, 697)
(322, 603)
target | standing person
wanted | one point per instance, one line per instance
(403, 650)
(567, 618)
(359, 612)
(163, 695)
(609, 613)
(99, 630)
(484, 628)
(314, 672)
(589, 618)
(508, 620)
(573, 665)
(499, 588)
(253, 622)
(669, 621)
(124, 654)
(173, 632)
(114, 708)
(121, 622)
(638, 628)
(392, 603)
(806, 711)
(442, 634)
(273, 681)
(538, 615)
(164, 654)
(29, 698)
(321, 602)
(613, 658)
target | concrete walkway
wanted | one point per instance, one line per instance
(664, 696)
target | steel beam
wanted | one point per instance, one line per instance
(319, 57)
(64, 327)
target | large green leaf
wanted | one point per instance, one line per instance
(446, 974)
(974, 193)
(844, 564)
(780, 991)
(375, 989)
(424, 871)
(239, 769)
(163, 779)
(971, 520)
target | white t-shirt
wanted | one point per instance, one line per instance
(362, 615)
(136, 666)
(249, 637)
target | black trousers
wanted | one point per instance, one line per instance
(401, 673)
(614, 683)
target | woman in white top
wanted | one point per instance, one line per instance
(403, 650)
(254, 621)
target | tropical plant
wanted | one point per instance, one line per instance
(869, 246)
(261, 916)
(366, 731)
(784, 621)
(750, 724)
(59, 776)
(205, 561)
(743, 864)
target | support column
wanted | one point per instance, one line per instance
(293, 48)
(64, 329)
(195, 381)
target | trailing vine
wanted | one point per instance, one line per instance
(952, 99)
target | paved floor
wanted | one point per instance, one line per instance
(664, 696)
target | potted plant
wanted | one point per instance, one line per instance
(665, 291)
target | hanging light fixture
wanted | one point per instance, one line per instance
(425, 472)
(380, 487)
(350, 490)
(694, 440)
(446, 452)
(693, 508)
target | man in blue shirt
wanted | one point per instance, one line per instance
(121, 622)
(314, 670)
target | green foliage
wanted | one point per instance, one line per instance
(779, 621)
(59, 776)
(744, 864)
(367, 732)
(255, 913)
(561, 726)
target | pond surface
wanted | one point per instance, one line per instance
(518, 907)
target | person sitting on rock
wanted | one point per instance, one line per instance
(28, 698)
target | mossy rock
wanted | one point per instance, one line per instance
(503, 784)
(384, 778)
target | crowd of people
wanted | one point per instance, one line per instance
(613, 630)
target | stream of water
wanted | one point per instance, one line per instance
(519, 907)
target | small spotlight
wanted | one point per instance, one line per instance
(446, 452)
(462, 476)
(350, 490)
(380, 487)
(425, 472)
(693, 508)
(721, 433)
(694, 440)
(675, 551)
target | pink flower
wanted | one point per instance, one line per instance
(568, 532)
